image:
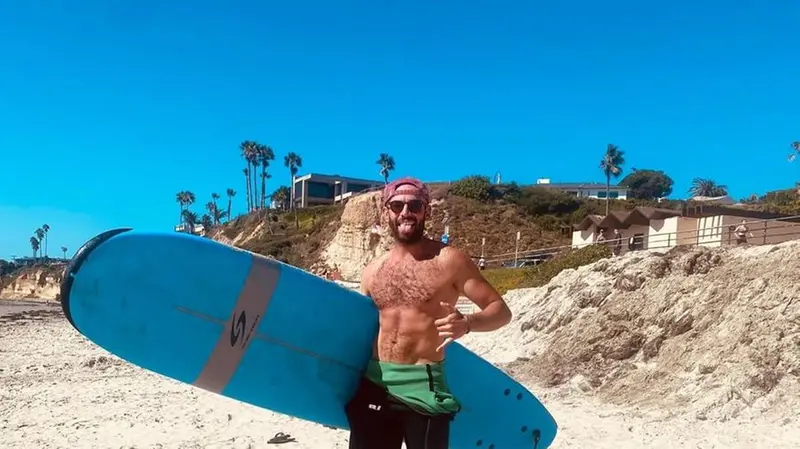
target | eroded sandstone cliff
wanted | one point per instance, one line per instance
(711, 332)
(32, 283)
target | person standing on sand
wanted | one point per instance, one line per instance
(403, 395)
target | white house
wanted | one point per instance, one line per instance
(315, 189)
(586, 190)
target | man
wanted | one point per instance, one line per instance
(616, 246)
(403, 395)
(741, 233)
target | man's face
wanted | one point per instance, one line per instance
(407, 216)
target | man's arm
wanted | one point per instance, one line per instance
(494, 312)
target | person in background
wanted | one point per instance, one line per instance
(741, 232)
(616, 243)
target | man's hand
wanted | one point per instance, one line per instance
(453, 326)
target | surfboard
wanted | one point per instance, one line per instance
(265, 333)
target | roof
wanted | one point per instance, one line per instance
(312, 176)
(642, 215)
(625, 219)
(581, 185)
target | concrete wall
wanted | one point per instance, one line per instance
(687, 230)
(632, 231)
(662, 233)
(583, 238)
(711, 231)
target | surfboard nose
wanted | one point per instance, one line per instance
(75, 265)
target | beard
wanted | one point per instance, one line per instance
(403, 234)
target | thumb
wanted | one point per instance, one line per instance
(449, 307)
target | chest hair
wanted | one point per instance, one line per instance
(402, 283)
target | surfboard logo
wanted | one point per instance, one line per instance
(237, 328)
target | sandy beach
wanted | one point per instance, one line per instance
(58, 390)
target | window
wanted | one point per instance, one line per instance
(611, 194)
(356, 187)
(320, 189)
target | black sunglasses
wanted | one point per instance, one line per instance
(414, 206)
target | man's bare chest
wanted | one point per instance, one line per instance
(408, 285)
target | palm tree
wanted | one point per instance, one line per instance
(214, 198)
(293, 162)
(707, 187)
(64, 250)
(185, 199)
(231, 193)
(611, 164)
(795, 146)
(266, 155)
(189, 220)
(39, 233)
(211, 208)
(247, 183)
(215, 213)
(247, 149)
(387, 165)
(46, 229)
(266, 176)
(34, 246)
(281, 196)
(207, 223)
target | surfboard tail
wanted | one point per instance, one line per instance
(75, 264)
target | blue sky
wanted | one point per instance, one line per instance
(108, 108)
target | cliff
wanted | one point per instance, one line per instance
(710, 332)
(360, 237)
(41, 282)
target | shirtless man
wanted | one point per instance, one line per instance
(403, 395)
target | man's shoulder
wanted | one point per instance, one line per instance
(453, 256)
(374, 264)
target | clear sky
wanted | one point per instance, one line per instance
(108, 108)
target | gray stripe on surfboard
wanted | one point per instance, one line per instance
(250, 308)
(271, 340)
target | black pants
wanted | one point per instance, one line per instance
(377, 421)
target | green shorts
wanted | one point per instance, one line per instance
(420, 387)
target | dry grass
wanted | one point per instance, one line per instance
(470, 221)
(505, 279)
(288, 243)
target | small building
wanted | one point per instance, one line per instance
(197, 228)
(586, 189)
(316, 189)
(694, 224)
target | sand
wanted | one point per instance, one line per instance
(58, 390)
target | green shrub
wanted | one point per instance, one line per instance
(548, 222)
(546, 201)
(475, 187)
(508, 192)
(505, 279)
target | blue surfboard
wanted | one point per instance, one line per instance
(265, 333)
